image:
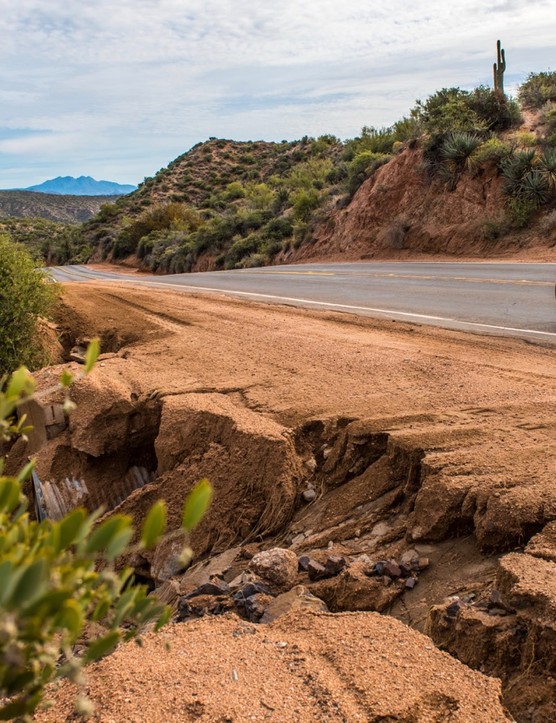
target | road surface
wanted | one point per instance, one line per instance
(494, 298)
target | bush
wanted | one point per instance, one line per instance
(538, 89)
(494, 150)
(25, 295)
(52, 585)
(362, 166)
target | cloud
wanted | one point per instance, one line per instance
(131, 84)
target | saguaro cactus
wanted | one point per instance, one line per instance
(499, 67)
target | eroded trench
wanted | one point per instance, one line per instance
(372, 522)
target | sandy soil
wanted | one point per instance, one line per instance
(481, 412)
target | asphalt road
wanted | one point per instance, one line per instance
(494, 298)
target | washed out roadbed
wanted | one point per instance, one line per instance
(398, 469)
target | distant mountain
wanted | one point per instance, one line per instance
(82, 186)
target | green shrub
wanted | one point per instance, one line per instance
(362, 165)
(56, 577)
(526, 139)
(538, 89)
(494, 150)
(25, 295)
(304, 202)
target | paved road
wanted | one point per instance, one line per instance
(494, 298)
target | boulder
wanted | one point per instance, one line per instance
(277, 566)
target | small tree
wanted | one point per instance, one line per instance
(25, 294)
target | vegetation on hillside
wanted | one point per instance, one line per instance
(25, 295)
(229, 205)
(51, 242)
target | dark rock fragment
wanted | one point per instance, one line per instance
(303, 563)
(214, 587)
(316, 570)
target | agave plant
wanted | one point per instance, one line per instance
(514, 170)
(459, 148)
(547, 167)
(534, 188)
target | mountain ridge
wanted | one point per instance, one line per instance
(80, 186)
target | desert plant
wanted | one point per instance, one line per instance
(534, 188)
(514, 170)
(538, 89)
(493, 149)
(362, 166)
(52, 585)
(25, 295)
(499, 68)
(547, 167)
(459, 150)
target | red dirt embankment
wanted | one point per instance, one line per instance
(402, 212)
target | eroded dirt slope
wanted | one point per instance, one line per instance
(329, 435)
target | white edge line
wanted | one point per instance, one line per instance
(329, 304)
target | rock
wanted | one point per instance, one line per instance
(316, 570)
(298, 598)
(453, 608)
(334, 565)
(255, 606)
(409, 556)
(204, 572)
(352, 590)
(248, 591)
(277, 566)
(303, 563)
(309, 495)
(405, 570)
(242, 579)
(498, 612)
(203, 605)
(214, 587)
(392, 569)
(386, 581)
(423, 563)
(311, 464)
(298, 539)
(410, 583)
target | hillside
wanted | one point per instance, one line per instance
(55, 207)
(82, 186)
(467, 173)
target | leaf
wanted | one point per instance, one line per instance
(102, 646)
(163, 619)
(32, 584)
(21, 384)
(26, 471)
(118, 543)
(70, 618)
(104, 535)
(91, 356)
(9, 494)
(154, 524)
(8, 579)
(70, 527)
(66, 378)
(196, 504)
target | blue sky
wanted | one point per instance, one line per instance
(116, 90)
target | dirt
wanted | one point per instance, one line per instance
(413, 439)
(303, 667)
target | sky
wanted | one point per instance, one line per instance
(117, 90)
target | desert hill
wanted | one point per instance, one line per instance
(54, 207)
(465, 174)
